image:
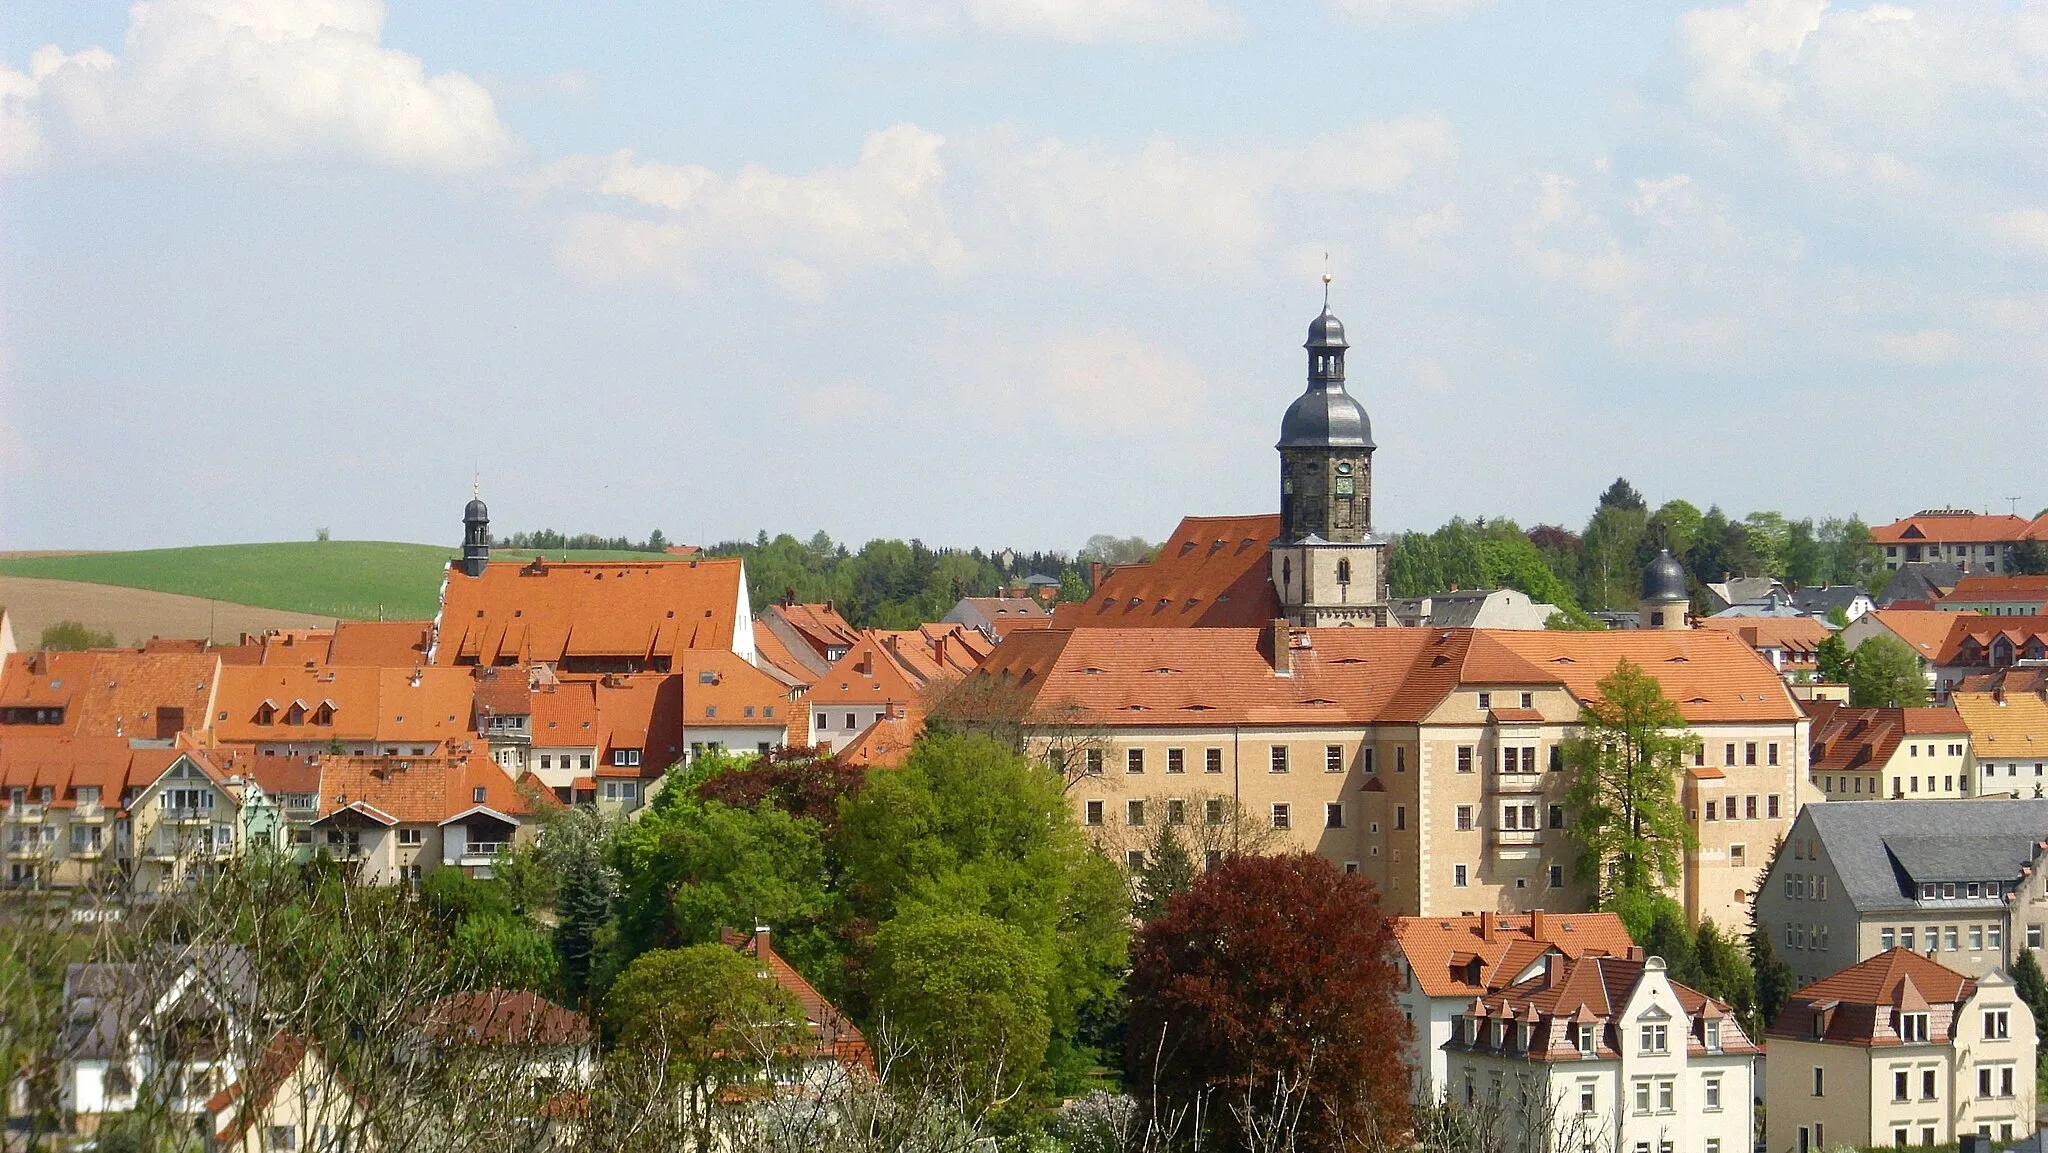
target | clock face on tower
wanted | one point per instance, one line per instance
(1343, 468)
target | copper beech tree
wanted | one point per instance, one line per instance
(1262, 1010)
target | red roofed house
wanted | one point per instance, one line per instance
(1977, 645)
(108, 693)
(392, 819)
(1913, 754)
(1447, 961)
(1998, 596)
(1978, 543)
(1608, 1053)
(1791, 644)
(291, 1100)
(1429, 760)
(1898, 1050)
(888, 675)
(528, 1039)
(64, 806)
(815, 635)
(835, 1040)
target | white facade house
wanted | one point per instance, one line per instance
(1608, 1055)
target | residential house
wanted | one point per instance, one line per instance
(1431, 761)
(1998, 596)
(1898, 1050)
(887, 675)
(388, 820)
(291, 1100)
(1473, 609)
(194, 818)
(308, 709)
(1822, 601)
(1924, 631)
(64, 820)
(1607, 1053)
(814, 636)
(167, 1028)
(1905, 754)
(1979, 644)
(519, 1038)
(1975, 542)
(2009, 736)
(1958, 880)
(1733, 590)
(1791, 644)
(836, 1044)
(729, 704)
(1775, 604)
(591, 617)
(1446, 962)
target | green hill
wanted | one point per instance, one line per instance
(360, 578)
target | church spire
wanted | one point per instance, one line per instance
(476, 533)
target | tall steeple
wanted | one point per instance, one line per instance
(1327, 565)
(476, 534)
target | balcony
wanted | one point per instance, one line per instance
(1517, 838)
(185, 816)
(27, 812)
(1518, 782)
(479, 853)
(30, 850)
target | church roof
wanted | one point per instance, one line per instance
(1211, 573)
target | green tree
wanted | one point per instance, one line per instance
(1657, 924)
(968, 825)
(1610, 576)
(1621, 494)
(73, 637)
(2030, 558)
(2032, 988)
(1169, 869)
(1884, 672)
(1833, 660)
(583, 913)
(1724, 971)
(1624, 785)
(1775, 980)
(966, 994)
(707, 1012)
(506, 952)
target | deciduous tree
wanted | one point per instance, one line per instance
(1624, 786)
(1266, 993)
(1885, 673)
(965, 995)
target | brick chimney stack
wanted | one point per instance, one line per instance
(1277, 636)
(1486, 927)
(1536, 925)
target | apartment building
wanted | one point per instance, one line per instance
(1979, 543)
(1958, 880)
(1916, 754)
(1791, 644)
(889, 675)
(2009, 736)
(311, 709)
(1447, 962)
(64, 807)
(1431, 761)
(1897, 1050)
(1607, 1053)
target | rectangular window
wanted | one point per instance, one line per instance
(1176, 812)
(1996, 1024)
(1176, 760)
(1134, 814)
(1134, 860)
(1728, 753)
(1281, 817)
(1984, 1080)
(1400, 758)
(1094, 762)
(1820, 1083)
(1557, 758)
(1464, 758)
(1886, 939)
(1901, 1086)
(1771, 808)
(1333, 758)
(1279, 758)
(1464, 818)
(411, 836)
(1212, 811)
(1400, 816)
(1712, 808)
(1212, 760)
(1586, 1098)
(1333, 815)
(1953, 944)
(1485, 700)
(1738, 855)
(1652, 1038)
(851, 723)
(1711, 1095)
(1557, 876)
(1927, 1081)
(1643, 1097)
(1749, 753)
(1976, 938)
(1458, 876)
(1134, 760)
(1906, 937)
(1749, 808)
(1913, 1027)
(1772, 753)
(1991, 934)
(1557, 816)
(1370, 765)
(1094, 812)
(1666, 1096)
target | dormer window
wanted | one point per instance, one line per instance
(1711, 1034)
(296, 715)
(1913, 1027)
(1585, 1038)
(324, 715)
(266, 713)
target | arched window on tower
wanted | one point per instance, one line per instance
(1343, 572)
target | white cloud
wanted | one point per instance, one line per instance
(1399, 12)
(886, 209)
(1111, 380)
(1067, 21)
(248, 78)
(2026, 227)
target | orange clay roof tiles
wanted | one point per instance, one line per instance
(66, 764)
(517, 613)
(1852, 740)
(1793, 634)
(392, 644)
(867, 674)
(2009, 724)
(769, 646)
(1969, 529)
(1430, 943)
(1211, 573)
(1893, 978)
(885, 743)
(423, 790)
(739, 693)
(566, 714)
(114, 692)
(1984, 631)
(1712, 676)
(367, 704)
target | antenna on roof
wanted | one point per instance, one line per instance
(2014, 502)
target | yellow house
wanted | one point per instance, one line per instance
(1896, 753)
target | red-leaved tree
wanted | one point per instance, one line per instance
(1262, 1008)
(800, 782)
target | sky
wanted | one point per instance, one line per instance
(1005, 272)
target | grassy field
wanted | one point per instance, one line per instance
(362, 579)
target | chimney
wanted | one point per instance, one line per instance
(939, 650)
(1486, 927)
(1635, 953)
(1553, 968)
(890, 642)
(1536, 925)
(1283, 659)
(1094, 575)
(866, 667)
(761, 942)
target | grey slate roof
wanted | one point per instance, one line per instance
(1920, 580)
(1817, 602)
(1979, 840)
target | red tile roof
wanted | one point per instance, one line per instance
(1971, 637)
(614, 610)
(392, 644)
(1712, 676)
(1854, 1006)
(1951, 528)
(1795, 635)
(66, 764)
(819, 625)
(1593, 989)
(423, 790)
(113, 692)
(1502, 946)
(504, 1017)
(1923, 630)
(832, 1033)
(405, 704)
(1211, 573)
(1853, 740)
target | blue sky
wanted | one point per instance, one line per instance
(1004, 271)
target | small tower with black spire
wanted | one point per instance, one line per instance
(1327, 566)
(1665, 599)
(476, 536)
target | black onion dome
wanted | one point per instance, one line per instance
(1325, 417)
(475, 511)
(1326, 331)
(1664, 579)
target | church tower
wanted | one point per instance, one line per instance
(476, 537)
(1327, 566)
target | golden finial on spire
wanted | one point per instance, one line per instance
(1326, 281)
